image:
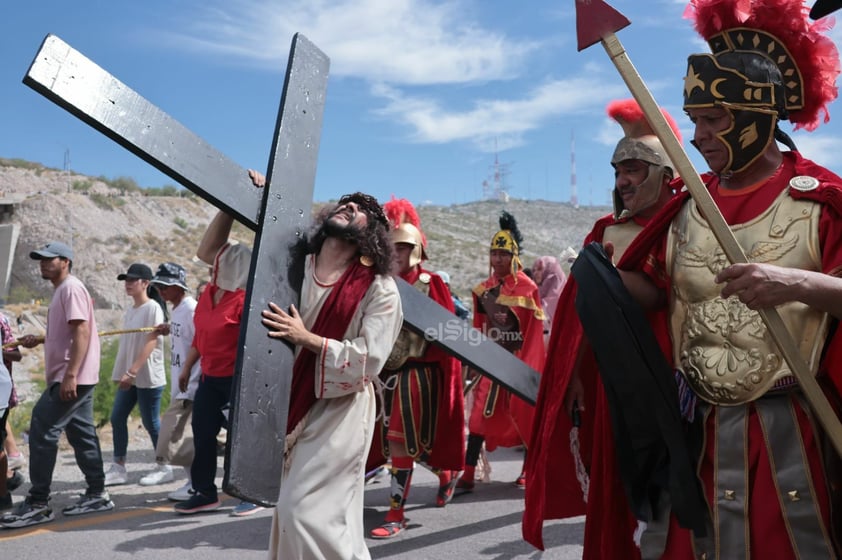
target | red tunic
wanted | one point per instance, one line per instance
(511, 422)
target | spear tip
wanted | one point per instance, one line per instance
(596, 20)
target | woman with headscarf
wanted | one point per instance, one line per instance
(547, 273)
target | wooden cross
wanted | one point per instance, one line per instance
(279, 215)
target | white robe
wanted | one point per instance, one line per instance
(319, 514)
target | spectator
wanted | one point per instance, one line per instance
(547, 273)
(71, 356)
(217, 329)
(5, 396)
(175, 439)
(458, 306)
(138, 368)
(12, 354)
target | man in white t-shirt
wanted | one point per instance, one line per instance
(175, 439)
(71, 355)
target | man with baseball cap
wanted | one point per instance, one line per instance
(71, 356)
(175, 439)
(52, 250)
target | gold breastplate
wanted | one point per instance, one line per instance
(409, 344)
(723, 347)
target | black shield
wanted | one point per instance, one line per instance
(649, 435)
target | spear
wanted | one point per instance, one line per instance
(596, 21)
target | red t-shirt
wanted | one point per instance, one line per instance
(218, 331)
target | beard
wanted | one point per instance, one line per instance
(346, 232)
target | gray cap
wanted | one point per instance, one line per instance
(52, 250)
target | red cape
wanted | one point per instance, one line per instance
(553, 491)
(520, 294)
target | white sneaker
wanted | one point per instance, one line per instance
(16, 461)
(182, 494)
(116, 475)
(160, 475)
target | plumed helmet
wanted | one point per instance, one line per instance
(639, 142)
(508, 239)
(406, 228)
(768, 63)
(408, 233)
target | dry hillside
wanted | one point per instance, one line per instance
(111, 228)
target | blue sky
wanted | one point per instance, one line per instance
(422, 95)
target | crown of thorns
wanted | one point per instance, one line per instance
(368, 204)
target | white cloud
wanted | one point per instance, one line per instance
(394, 41)
(823, 149)
(495, 124)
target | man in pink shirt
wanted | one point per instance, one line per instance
(71, 355)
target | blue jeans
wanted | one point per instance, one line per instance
(50, 417)
(148, 402)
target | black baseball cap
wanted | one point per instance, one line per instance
(137, 270)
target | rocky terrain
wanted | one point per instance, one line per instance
(111, 228)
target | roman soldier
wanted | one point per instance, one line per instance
(572, 467)
(507, 308)
(422, 417)
(771, 484)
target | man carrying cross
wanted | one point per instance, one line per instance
(343, 330)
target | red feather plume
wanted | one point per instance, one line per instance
(815, 54)
(628, 113)
(400, 211)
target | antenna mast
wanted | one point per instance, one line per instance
(495, 187)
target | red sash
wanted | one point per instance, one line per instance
(332, 322)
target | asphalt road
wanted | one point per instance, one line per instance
(484, 524)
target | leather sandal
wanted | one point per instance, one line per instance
(465, 485)
(389, 529)
(445, 493)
